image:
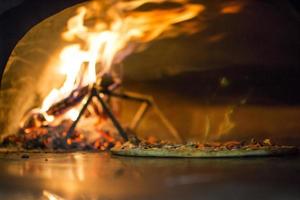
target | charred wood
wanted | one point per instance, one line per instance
(67, 103)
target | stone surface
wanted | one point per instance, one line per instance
(102, 176)
(264, 35)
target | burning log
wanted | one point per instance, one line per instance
(72, 100)
(77, 95)
(33, 119)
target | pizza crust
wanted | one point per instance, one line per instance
(199, 153)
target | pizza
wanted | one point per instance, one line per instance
(252, 148)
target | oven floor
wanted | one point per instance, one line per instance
(102, 176)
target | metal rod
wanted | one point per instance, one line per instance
(110, 114)
(139, 116)
(166, 122)
(130, 96)
(146, 102)
(72, 128)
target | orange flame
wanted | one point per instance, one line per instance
(103, 34)
(232, 8)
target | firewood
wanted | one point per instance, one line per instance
(67, 103)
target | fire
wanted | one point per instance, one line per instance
(232, 8)
(100, 35)
(102, 41)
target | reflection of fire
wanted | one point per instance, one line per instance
(98, 42)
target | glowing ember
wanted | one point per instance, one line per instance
(100, 36)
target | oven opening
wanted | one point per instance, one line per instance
(50, 82)
(103, 90)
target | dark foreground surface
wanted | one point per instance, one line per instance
(102, 176)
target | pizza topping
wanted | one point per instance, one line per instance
(267, 142)
(208, 146)
(209, 149)
(128, 145)
(212, 144)
(232, 145)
